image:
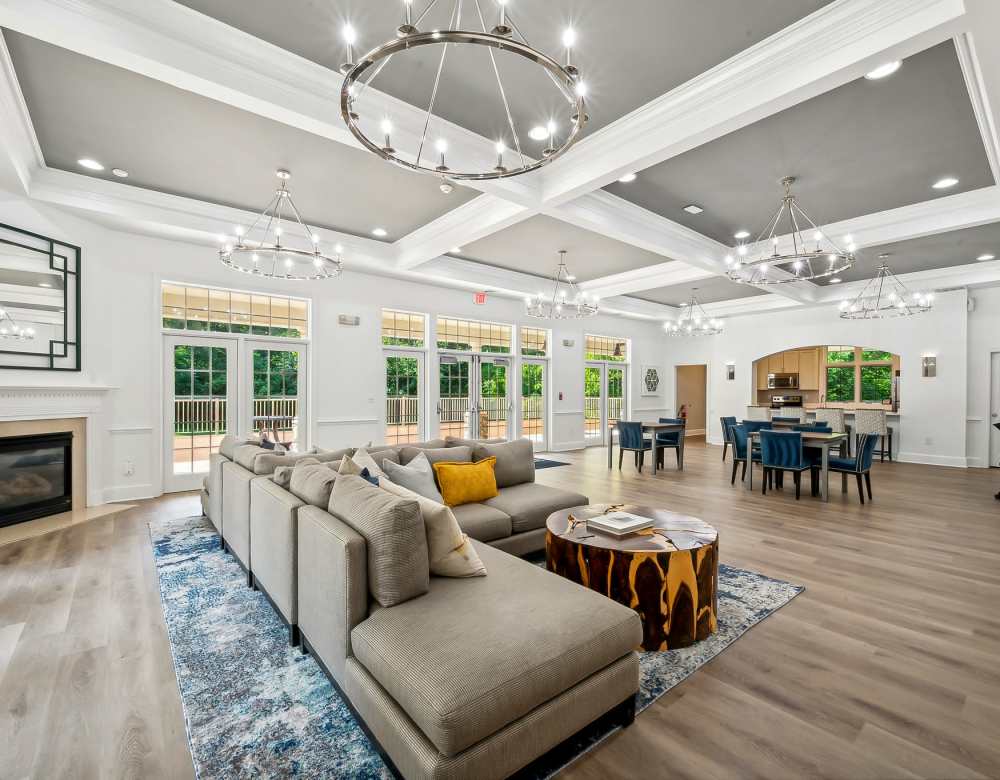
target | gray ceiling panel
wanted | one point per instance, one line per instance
(713, 290)
(865, 147)
(181, 143)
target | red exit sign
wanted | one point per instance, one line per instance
(479, 298)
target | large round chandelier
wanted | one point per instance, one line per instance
(883, 297)
(263, 248)
(11, 331)
(812, 254)
(509, 154)
(567, 301)
(693, 320)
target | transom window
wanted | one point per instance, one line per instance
(859, 374)
(474, 336)
(187, 307)
(403, 329)
(534, 342)
(610, 348)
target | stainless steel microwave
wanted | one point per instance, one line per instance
(782, 381)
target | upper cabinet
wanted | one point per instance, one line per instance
(804, 362)
(808, 368)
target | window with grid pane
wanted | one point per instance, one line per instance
(534, 342)
(186, 307)
(403, 328)
(474, 336)
(610, 348)
(200, 380)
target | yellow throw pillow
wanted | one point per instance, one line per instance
(466, 483)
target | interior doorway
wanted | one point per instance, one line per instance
(994, 410)
(691, 396)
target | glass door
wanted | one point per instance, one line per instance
(200, 405)
(277, 388)
(474, 400)
(404, 416)
(533, 391)
(615, 393)
(494, 404)
(455, 401)
(604, 394)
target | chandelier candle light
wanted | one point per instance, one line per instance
(261, 250)
(10, 330)
(812, 254)
(883, 297)
(373, 129)
(694, 320)
(567, 301)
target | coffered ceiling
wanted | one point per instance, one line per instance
(712, 290)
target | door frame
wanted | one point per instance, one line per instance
(604, 367)
(708, 395)
(249, 344)
(422, 386)
(546, 400)
(992, 461)
(176, 483)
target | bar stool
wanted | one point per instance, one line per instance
(758, 413)
(790, 411)
(873, 421)
(835, 419)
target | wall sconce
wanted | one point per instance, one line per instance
(730, 371)
(928, 365)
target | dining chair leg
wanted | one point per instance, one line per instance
(868, 484)
(814, 482)
(743, 478)
(735, 464)
(640, 459)
(881, 450)
(797, 476)
(725, 449)
(763, 482)
(890, 445)
(621, 455)
(861, 490)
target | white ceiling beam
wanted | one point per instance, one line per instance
(17, 136)
(965, 47)
(649, 278)
(832, 46)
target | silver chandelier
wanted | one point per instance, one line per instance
(506, 155)
(263, 248)
(883, 297)
(812, 254)
(694, 320)
(10, 330)
(567, 301)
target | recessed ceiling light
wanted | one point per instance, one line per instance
(89, 164)
(456, 250)
(741, 235)
(628, 178)
(886, 69)
(692, 208)
(945, 183)
(379, 232)
(836, 280)
(121, 173)
(984, 258)
(44, 284)
(538, 133)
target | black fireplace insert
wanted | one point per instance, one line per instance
(36, 476)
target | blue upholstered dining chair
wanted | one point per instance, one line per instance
(669, 439)
(813, 429)
(861, 464)
(781, 451)
(726, 423)
(739, 438)
(786, 420)
(630, 438)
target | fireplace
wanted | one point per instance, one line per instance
(36, 476)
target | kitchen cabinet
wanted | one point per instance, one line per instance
(776, 363)
(808, 369)
(791, 362)
(762, 372)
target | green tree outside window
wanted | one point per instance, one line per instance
(840, 384)
(876, 383)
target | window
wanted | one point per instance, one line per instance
(840, 354)
(876, 383)
(473, 336)
(229, 311)
(402, 399)
(840, 384)
(276, 393)
(534, 342)
(609, 348)
(859, 374)
(403, 329)
(200, 398)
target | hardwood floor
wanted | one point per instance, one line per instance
(886, 667)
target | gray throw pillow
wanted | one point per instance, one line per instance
(432, 444)
(418, 476)
(282, 475)
(455, 441)
(312, 483)
(515, 461)
(398, 562)
(438, 454)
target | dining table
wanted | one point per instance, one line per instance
(814, 440)
(655, 428)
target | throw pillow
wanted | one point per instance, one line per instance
(450, 551)
(367, 477)
(348, 467)
(417, 477)
(398, 566)
(455, 441)
(278, 448)
(312, 483)
(515, 461)
(362, 459)
(282, 475)
(467, 483)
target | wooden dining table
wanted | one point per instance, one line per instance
(815, 440)
(654, 428)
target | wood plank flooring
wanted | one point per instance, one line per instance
(886, 667)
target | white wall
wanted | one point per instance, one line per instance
(932, 411)
(122, 342)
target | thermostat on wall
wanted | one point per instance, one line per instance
(568, 342)
(350, 320)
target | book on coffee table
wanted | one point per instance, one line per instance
(620, 523)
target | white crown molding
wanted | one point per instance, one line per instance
(649, 278)
(965, 47)
(17, 135)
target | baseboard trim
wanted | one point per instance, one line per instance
(568, 446)
(976, 463)
(129, 493)
(932, 460)
(695, 432)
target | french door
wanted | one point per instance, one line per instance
(604, 395)
(474, 398)
(404, 407)
(534, 389)
(200, 405)
(276, 380)
(994, 409)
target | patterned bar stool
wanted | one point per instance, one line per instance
(873, 421)
(758, 413)
(790, 411)
(835, 419)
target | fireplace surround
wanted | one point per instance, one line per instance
(36, 476)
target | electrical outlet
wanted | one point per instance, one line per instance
(129, 468)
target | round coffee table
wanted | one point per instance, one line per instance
(669, 573)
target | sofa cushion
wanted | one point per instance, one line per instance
(515, 639)
(364, 459)
(229, 443)
(312, 483)
(409, 449)
(455, 441)
(529, 505)
(282, 475)
(466, 483)
(482, 522)
(396, 541)
(418, 476)
(437, 454)
(515, 461)
(246, 454)
(450, 551)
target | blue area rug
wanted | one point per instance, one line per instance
(543, 463)
(255, 707)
